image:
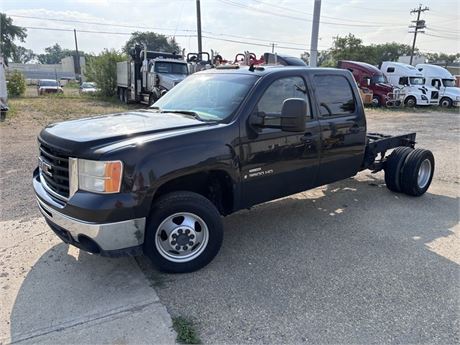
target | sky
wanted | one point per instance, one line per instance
(233, 26)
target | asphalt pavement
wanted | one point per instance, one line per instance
(350, 262)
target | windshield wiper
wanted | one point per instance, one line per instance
(186, 112)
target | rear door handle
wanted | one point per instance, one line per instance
(354, 129)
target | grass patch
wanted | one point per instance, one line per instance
(53, 108)
(186, 333)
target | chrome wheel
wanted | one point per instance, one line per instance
(181, 237)
(424, 173)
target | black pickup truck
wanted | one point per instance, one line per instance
(158, 181)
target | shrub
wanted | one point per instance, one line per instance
(102, 69)
(16, 84)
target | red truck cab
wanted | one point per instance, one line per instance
(370, 77)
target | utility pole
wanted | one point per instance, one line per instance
(273, 47)
(198, 25)
(314, 34)
(77, 62)
(419, 25)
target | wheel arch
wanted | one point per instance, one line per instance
(215, 185)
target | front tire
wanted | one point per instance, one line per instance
(417, 172)
(376, 102)
(410, 102)
(184, 232)
(445, 102)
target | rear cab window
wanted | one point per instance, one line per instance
(335, 95)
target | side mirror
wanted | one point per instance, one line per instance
(293, 115)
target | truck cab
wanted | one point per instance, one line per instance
(148, 75)
(411, 82)
(368, 76)
(441, 79)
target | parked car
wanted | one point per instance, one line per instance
(441, 79)
(368, 76)
(47, 86)
(88, 88)
(158, 181)
(412, 84)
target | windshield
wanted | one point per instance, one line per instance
(417, 80)
(88, 85)
(48, 83)
(211, 96)
(448, 82)
(379, 79)
(171, 67)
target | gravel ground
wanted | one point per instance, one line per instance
(345, 263)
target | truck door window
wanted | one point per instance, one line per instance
(272, 101)
(404, 81)
(436, 83)
(335, 95)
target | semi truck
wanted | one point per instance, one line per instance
(158, 181)
(370, 77)
(148, 75)
(411, 83)
(441, 79)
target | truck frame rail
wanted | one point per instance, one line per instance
(378, 143)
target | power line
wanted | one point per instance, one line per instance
(322, 16)
(193, 35)
(445, 37)
(240, 5)
(152, 28)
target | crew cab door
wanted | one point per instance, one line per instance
(275, 163)
(342, 125)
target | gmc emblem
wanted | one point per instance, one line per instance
(45, 167)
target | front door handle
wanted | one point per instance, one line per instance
(307, 138)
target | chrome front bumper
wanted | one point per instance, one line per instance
(109, 236)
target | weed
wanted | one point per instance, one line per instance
(186, 333)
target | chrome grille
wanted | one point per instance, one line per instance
(54, 170)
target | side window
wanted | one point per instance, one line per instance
(403, 81)
(334, 95)
(280, 90)
(436, 83)
(390, 69)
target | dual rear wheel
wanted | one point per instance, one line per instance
(409, 171)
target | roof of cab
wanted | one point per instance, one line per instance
(270, 69)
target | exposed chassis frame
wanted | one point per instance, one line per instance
(378, 143)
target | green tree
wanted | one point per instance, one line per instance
(102, 69)
(153, 41)
(8, 34)
(55, 54)
(443, 58)
(23, 55)
(16, 84)
(351, 47)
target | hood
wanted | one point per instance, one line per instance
(173, 78)
(383, 87)
(93, 132)
(50, 87)
(453, 90)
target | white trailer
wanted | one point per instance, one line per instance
(411, 82)
(442, 80)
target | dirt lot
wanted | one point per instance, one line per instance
(345, 263)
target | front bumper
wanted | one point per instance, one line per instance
(109, 239)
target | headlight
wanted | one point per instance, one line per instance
(424, 98)
(100, 176)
